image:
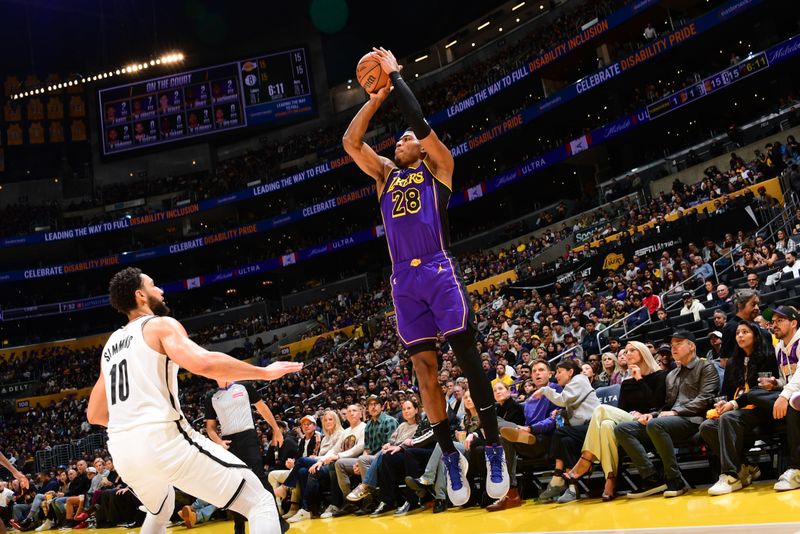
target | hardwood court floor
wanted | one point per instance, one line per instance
(754, 510)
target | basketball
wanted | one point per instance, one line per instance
(370, 75)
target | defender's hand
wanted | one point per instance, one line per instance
(278, 369)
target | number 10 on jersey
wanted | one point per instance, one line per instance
(119, 373)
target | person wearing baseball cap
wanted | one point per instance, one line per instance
(786, 389)
(691, 305)
(691, 388)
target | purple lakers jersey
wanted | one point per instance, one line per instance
(414, 210)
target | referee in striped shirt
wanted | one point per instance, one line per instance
(231, 404)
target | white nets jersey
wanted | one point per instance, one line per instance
(141, 384)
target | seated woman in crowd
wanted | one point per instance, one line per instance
(729, 425)
(588, 371)
(642, 392)
(401, 461)
(509, 411)
(610, 374)
(578, 401)
(402, 436)
(331, 440)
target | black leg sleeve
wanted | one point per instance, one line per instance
(479, 386)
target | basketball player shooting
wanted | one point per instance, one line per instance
(136, 397)
(427, 290)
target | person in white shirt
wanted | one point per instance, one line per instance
(351, 446)
(784, 321)
(792, 266)
(691, 305)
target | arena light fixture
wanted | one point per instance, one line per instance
(421, 58)
(516, 7)
(451, 43)
(77, 79)
(482, 26)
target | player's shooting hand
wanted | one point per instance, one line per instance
(382, 94)
(387, 60)
(276, 370)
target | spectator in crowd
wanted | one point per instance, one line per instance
(402, 436)
(650, 32)
(308, 447)
(531, 439)
(691, 305)
(722, 300)
(690, 390)
(399, 462)
(783, 244)
(352, 446)
(378, 430)
(702, 269)
(197, 513)
(732, 421)
(590, 345)
(746, 302)
(588, 371)
(333, 434)
(715, 352)
(651, 300)
(643, 392)
(578, 401)
(611, 374)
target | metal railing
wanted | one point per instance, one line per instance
(64, 453)
(624, 320)
(680, 287)
(781, 221)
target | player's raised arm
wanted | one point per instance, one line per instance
(439, 157)
(353, 141)
(166, 335)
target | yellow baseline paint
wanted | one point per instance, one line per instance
(696, 513)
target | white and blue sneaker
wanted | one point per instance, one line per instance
(497, 479)
(456, 467)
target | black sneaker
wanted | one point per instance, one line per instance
(382, 509)
(367, 507)
(347, 509)
(650, 486)
(676, 488)
(419, 486)
(439, 506)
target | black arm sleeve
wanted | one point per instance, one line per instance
(211, 413)
(409, 106)
(252, 394)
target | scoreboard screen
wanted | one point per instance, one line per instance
(189, 104)
(276, 86)
(720, 80)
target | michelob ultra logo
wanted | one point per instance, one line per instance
(613, 261)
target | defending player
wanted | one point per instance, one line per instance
(136, 397)
(427, 290)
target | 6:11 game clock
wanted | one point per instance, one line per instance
(276, 86)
